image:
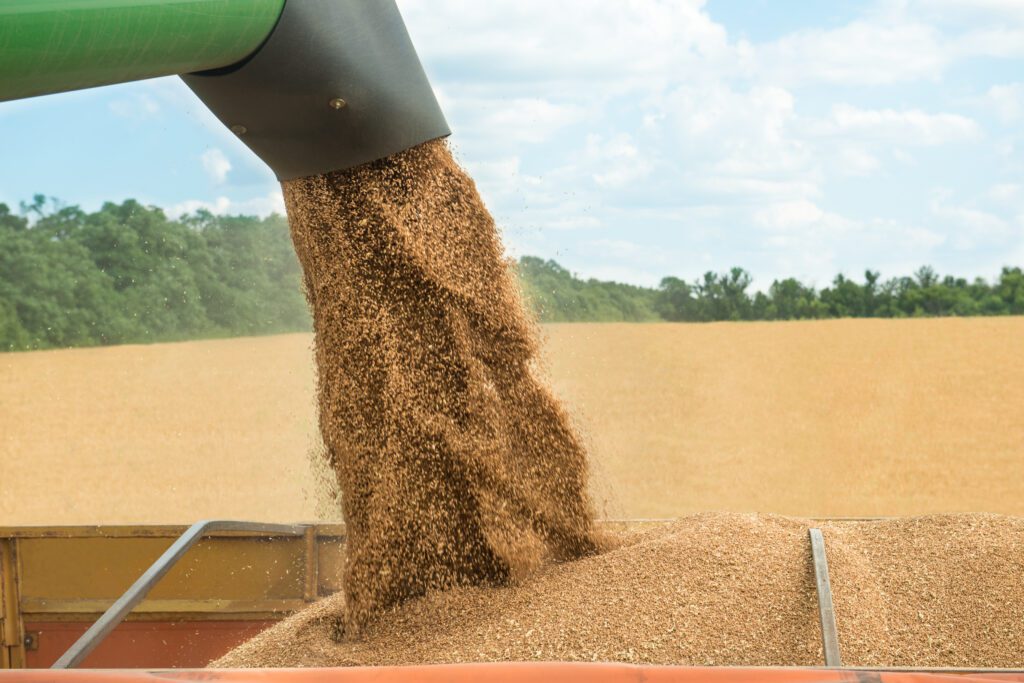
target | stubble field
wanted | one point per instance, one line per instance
(829, 418)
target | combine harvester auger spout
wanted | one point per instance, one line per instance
(310, 86)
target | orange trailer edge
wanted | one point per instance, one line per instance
(511, 673)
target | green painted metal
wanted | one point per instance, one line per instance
(49, 46)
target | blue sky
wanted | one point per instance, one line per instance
(631, 139)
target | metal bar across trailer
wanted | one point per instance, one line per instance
(826, 611)
(116, 613)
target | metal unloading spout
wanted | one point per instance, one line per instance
(310, 86)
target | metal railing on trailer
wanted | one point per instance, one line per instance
(117, 612)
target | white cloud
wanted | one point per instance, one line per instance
(505, 168)
(759, 115)
(765, 136)
(997, 42)
(618, 161)
(805, 224)
(698, 117)
(914, 237)
(859, 53)
(903, 156)
(272, 202)
(521, 120)
(907, 127)
(1007, 101)
(738, 142)
(968, 28)
(855, 160)
(755, 189)
(1006, 192)
(264, 205)
(501, 182)
(981, 222)
(218, 206)
(963, 13)
(620, 44)
(800, 215)
(215, 164)
(616, 46)
(972, 227)
(618, 247)
(629, 261)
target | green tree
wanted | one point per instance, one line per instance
(1010, 290)
(675, 301)
(52, 293)
(724, 296)
(559, 296)
(845, 299)
(127, 273)
(790, 299)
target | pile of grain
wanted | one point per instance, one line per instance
(456, 466)
(722, 589)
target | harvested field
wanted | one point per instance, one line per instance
(846, 417)
(168, 433)
(711, 589)
(825, 418)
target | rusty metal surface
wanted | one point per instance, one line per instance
(171, 643)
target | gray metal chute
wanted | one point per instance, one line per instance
(336, 84)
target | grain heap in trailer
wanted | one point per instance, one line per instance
(470, 541)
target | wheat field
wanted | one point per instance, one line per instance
(827, 418)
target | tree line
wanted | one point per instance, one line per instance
(128, 274)
(561, 296)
